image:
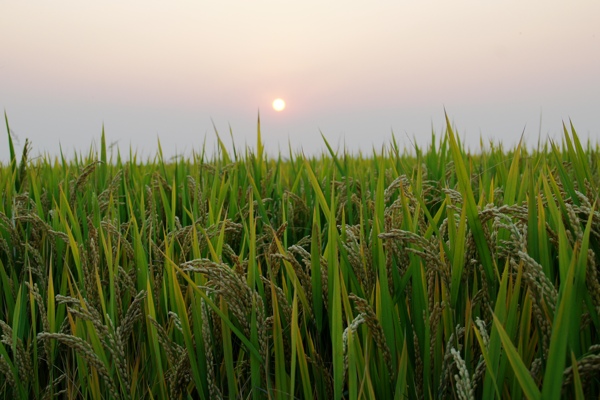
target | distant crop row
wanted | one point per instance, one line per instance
(435, 273)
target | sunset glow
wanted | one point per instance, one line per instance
(278, 105)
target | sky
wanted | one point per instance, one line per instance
(353, 71)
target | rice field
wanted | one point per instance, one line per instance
(431, 273)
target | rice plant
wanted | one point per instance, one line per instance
(430, 273)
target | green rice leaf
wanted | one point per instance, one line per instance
(472, 211)
(521, 372)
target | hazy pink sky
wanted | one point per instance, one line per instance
(354, 70)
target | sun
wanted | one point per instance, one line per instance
(278, 104)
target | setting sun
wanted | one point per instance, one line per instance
(278, 104)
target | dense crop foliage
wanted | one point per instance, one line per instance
(432, 275)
